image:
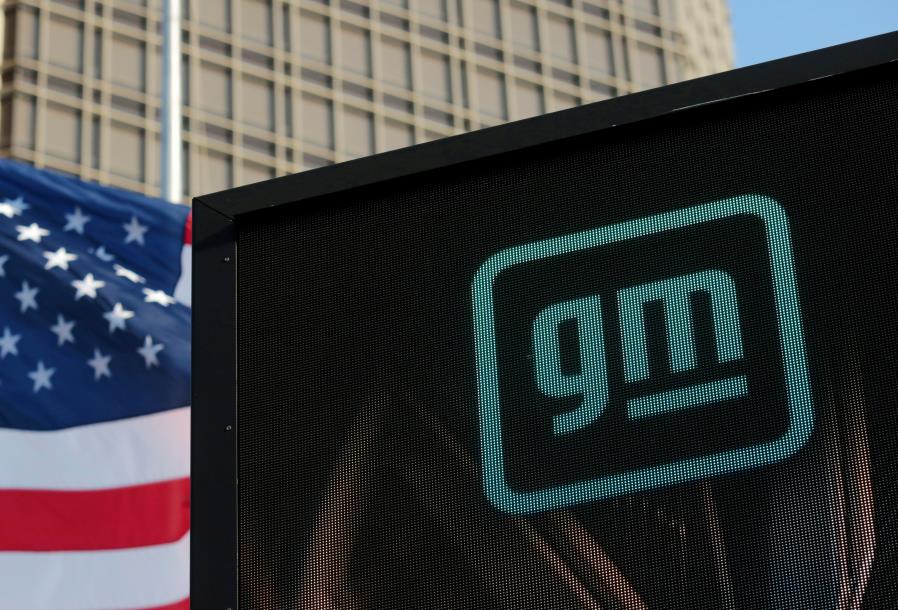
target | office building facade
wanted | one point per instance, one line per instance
(278, 86)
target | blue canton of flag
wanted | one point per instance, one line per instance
(89, 329)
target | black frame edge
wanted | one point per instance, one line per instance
(590, 118)
(213, 456)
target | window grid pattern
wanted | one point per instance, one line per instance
(277, 86)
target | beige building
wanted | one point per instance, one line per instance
(278, 86)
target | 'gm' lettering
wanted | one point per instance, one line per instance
(585, 393)
(591, 383)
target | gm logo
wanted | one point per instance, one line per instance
(639, 355)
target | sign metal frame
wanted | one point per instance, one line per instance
(217, 219)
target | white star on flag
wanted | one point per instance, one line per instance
(32, 232)
(100, 364)
(13, 207)
(87, 287)
(60, 259)
(8, 343)
(149, 351)
(135, 231)
(117, 317)
(41, 377)
(157, 296)
(27, 296)
(76, 221)
(103, 255)
(63, 330)
(3, 260)
(128, 274)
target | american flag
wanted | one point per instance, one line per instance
(94, 396)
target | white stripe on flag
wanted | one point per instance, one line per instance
(182, 289)
(133, 451)
(97, 580)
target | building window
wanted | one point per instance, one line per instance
(561, 38)
(95, 142)
(255, 21)
(314, 37)
(355, 49)
(316, 121)
(397, 135)
(564, 101)
(185, 167)
(437, 116)
(98, 53)
(486, 17)
(288, 112)
(602, 91)
(358, 132)
(5, 121)
(598, 11)
(215, 89)
(216, 171)
(396, 63)
(126, 153)
(650, 62)
(313, 162)
(66, 39)
(433, 8)
(648, 28)
(646, 6)
(258, 103)
(285, 28)
(215, 14)
(128, 63)
(599, 56)
(528, 100)
(524, 29)
(185, 80)
(23, 125)
(491, 94)
(26, 32)
(436, 76)
(254, 172)
(9, 34)
(62, 132)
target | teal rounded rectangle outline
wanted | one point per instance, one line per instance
(798, 393)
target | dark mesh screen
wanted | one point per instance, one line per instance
(360, 454)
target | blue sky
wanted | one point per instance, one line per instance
(768, 29)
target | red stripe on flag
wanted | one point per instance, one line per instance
(184, 604)
(125, 517)
(188, 229)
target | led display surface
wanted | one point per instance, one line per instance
(649, 367)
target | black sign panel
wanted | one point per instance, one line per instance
(615, 357)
